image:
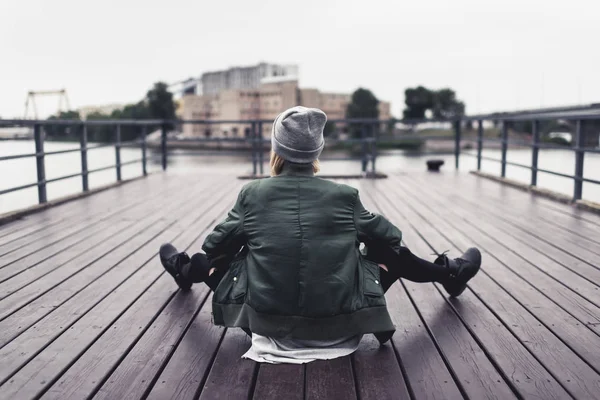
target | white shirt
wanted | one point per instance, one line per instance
(296, 351)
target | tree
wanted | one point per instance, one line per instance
(62, 131)
(442, 103)
(445, 104)
(363, 104)
(417, 100)
(329, 128)
(160, 102)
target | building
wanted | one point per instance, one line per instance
(265, 102)
(244, 77)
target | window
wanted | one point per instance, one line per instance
(234, 131)
(207, 133)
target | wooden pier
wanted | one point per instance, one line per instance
(86, 310)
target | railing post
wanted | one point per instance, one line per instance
(374, 148)
(479, 143)
(253, 146)
(363, 135)
(84, 166)
(457, 138)
(144, 132)
(118, 152)
(535, 151)
(163, 145)
(578, 187)
(260, 146)
(504, 147)
(40, 164)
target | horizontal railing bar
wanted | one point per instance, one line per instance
(532, 168)
(131, 162)
(63, 177)
(90, 171)
(18, 188)
(4, 158)
(590, 181)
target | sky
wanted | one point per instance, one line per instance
(498, 55)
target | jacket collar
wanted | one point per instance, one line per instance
(292, 169)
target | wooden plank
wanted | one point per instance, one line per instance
(377, 372)
(517, 366)
(135, 375)
(582, 276)
(73, 341)
(17, 249)
(477, 374)
(94, 280)
(23, 296)
(25, 271)
(40, 263)
(280, 381)
(100, 201)
(30, 343)
(425, 368)
(28, 380)
(230, 377)
(145, 376)
(83, 378)
(574, 374)
(330, 379)
(529, 207)
(187, 369)
(563, 245)
(579, 309)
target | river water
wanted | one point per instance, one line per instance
(23, 171)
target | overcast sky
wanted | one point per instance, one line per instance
(497, 54)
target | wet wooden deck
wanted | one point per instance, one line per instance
(87, 312)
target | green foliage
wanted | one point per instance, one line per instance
(417, 100)
(442, 103)
(556, 140)
(62, 131)
(329, 128)
(158, 104)
(363, 104)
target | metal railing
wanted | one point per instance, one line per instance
(82, 126)
(364, 133)
(579, 147)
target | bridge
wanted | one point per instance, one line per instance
(87, 312)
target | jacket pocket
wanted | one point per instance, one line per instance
(371, 279)
(240, 281)
(234, 285)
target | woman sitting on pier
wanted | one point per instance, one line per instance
(286, 267)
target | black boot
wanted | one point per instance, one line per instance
(173, 262)
(461, 270)
(383, 337)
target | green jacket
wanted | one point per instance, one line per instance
(297, 270)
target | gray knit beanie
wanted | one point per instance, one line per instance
(297, 134)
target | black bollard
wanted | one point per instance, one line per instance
(434, 165)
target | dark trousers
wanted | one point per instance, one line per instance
(400, 265)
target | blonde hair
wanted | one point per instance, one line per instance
(277, 164)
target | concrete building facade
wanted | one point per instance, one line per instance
(244, 77)
(265, 102)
